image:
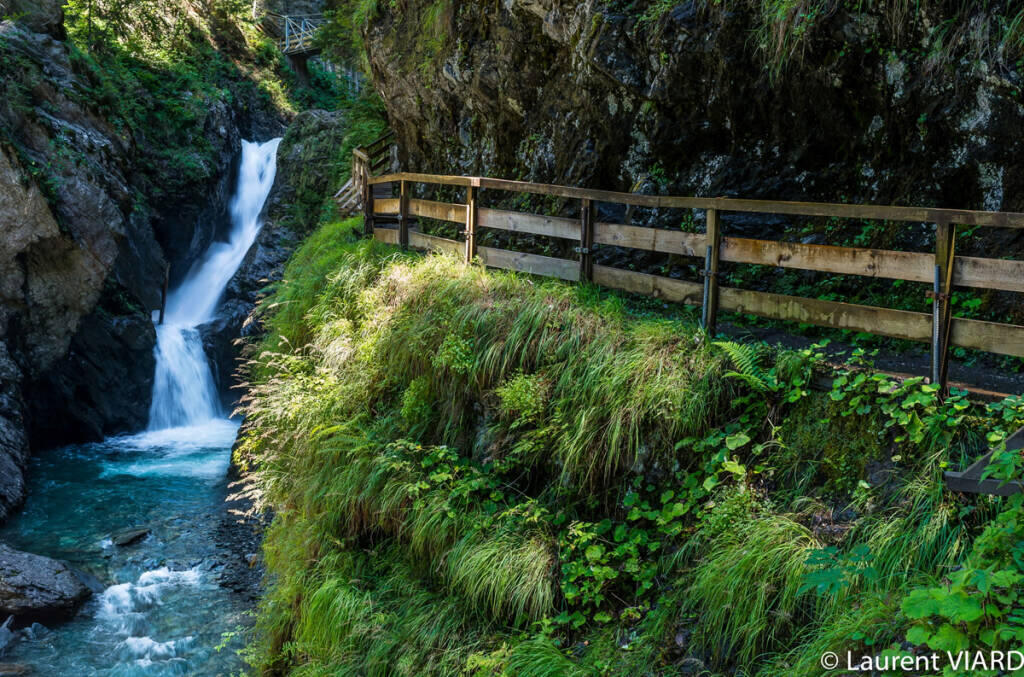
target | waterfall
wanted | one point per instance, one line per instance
(184, 391)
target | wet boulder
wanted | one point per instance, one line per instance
(41, 16)
(36, 588)
(218, 336)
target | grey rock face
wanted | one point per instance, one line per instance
(40, 16)
(13, 441)
(218, 338)
(103, 385)
(35, 588)
(579, 93)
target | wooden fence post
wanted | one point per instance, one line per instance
(945, 254)
(403, 214)
(367, 203)
(587, 241)
(709, 316)
(471, 216)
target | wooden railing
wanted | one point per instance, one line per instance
(942, 269)
(365, 161)
(296, 31)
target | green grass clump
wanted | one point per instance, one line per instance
(477, 472)
(741, 621)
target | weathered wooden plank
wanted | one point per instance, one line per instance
(530, 263)
(386, 206)
(993, 337)
(435, 179)
(442, 211)
(882, 321)
(443, 244)
(957, 482)
(677, 291)
(825, 258)
(912, 266)
(389, 235)
(970, 271)
(594, 194)
(651, 239)
(874, 212)
(535, 224)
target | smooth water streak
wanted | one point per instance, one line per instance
(184, 390)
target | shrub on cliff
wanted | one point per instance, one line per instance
(486, 473)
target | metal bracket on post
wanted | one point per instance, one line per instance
(709, 307)
(471, 215)
(403, 214)
(586, 241)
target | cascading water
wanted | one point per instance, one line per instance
(163, 610)
(184, 393)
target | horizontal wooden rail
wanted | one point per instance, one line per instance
(530, 263)
(1004, 339)
(385, 205)
(651, 239)
(442, 244)
(442, 211)
(911, 266)
(518, 222)
(877, 212)
(388, 235)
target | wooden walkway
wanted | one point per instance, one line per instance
(942, 269)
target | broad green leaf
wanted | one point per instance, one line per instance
(734, 442)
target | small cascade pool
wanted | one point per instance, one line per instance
(161, 609)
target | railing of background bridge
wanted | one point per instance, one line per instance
(297, 30)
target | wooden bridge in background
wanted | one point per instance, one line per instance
(294, 33)
(941, 269)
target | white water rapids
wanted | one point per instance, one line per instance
(184, 391)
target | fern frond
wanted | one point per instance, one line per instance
(746, 359)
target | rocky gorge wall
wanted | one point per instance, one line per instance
(706, 98)
(85, 237)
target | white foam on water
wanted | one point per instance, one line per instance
(199, 451)
(214, 434)
(126, 598)
(148, 649)
(123, 611)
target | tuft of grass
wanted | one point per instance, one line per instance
(747, 587)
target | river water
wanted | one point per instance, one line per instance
(162, 611)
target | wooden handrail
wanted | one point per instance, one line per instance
(878, 212)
